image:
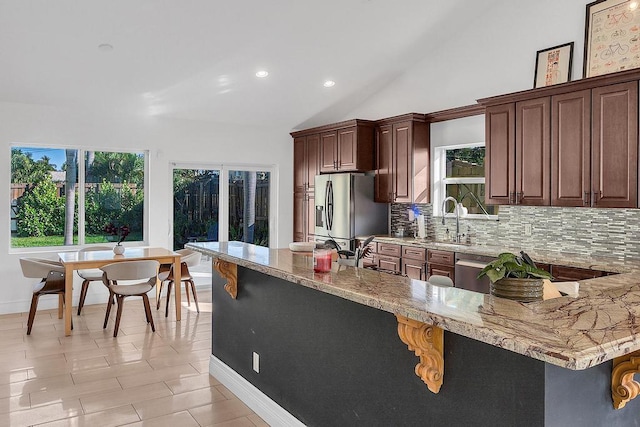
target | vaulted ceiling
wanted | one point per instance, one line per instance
(197, 59)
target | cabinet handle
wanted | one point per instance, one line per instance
(519, 197)
(585, 200)
(512, 197)
(595, 197)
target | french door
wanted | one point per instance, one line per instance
(222, 203)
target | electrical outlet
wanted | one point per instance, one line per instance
(256, 362)
(527, 229)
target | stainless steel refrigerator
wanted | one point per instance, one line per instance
(345, 209)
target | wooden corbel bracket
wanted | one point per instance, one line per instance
(623, 386)
(229, 271)
(427, 342)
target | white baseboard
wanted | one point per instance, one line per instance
(260, 403)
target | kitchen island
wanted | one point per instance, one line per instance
(333, 347)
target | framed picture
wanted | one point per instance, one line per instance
(553, 65)
(612, 37)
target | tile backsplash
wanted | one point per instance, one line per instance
(613, 233)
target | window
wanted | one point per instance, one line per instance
(459, 173)
(48, 209)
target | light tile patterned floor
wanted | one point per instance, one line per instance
(139, 378)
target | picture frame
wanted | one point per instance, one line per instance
(612, 37)
(553, 65)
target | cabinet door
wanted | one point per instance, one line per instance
(312, 161)
(414, 269)
(614, 144)
(328, 144)
(500, 154)
(383, 186)
(299, 217)
(441, 270)
(533, 157)
(299, 164)
(571, 149)
(570, 274)
(347, 149)
(389, 263)
(310, 211)
(402, 170)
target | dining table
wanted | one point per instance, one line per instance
(95, 259)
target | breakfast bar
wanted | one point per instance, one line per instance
(355, 346)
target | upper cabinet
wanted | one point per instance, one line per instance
(402, 158)
(348, 147)
(574, 144)
(306, 162)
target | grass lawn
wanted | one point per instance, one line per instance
(47, 241)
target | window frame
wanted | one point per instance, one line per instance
(80, 196)
(440, 180)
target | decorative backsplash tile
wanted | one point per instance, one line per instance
(613, 233)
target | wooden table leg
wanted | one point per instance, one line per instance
(177, 281)
(68, 298)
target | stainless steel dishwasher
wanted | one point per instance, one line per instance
(468, 267)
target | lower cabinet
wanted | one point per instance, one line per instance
(388, 257)
(440, 263)
(414, 262)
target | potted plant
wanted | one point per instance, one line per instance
(515, 277)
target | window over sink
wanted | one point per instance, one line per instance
(459, 173)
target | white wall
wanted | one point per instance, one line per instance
(167, 141)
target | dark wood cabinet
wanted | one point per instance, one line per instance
(402, 158)
(533, 153)
(306, 162)
(414, 262)
(500, 154)
(563, 273)
(440, 263)
(574, 144)
(348, 149)
(518, 158)
(299, 213)
(614, 146)
(571, 149)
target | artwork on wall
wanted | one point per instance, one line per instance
(553, 65)
(612, 37)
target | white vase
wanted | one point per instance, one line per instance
(118, 249)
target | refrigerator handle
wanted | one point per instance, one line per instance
(328, 204)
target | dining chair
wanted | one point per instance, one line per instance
(51, 275)
(89, 275)
(114, 277)
(188, 259)
(438, 280)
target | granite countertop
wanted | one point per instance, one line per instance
(575, 333)
(613, 265)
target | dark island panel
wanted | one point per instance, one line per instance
(330, 361)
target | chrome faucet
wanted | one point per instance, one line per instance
(458, 237)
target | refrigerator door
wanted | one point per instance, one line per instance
(334, 206)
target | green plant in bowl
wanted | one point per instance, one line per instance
(515, 278)
(511, 265)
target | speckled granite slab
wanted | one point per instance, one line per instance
(603, 322)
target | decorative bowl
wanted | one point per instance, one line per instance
(523, 290)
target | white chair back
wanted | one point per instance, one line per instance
(39, 268)
(95, 248)
(437, 280)
(189, 257)
(131, 270)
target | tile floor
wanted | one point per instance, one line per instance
(139, 378)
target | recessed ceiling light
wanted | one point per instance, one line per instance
(329, 83)
(262, 74)
(105, 47)
(633, 5)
